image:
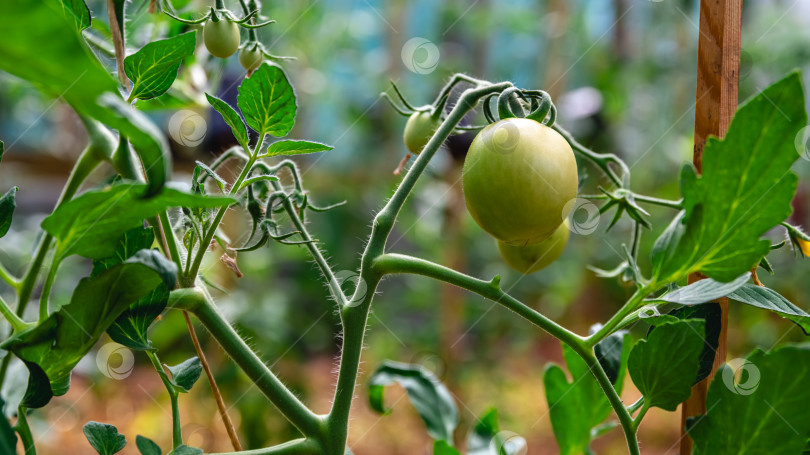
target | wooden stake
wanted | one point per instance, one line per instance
(717, 79)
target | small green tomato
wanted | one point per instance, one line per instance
(531, 258)
(418, 130)
(251, 57)
(221, 37)
(519, 179)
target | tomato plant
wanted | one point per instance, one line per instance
(147, 240)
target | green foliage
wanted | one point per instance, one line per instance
(768, 299)
(267, 101)
(574, 407)
(183, 449)
(55, 345)
(767, 410)
(745, 190)
(704, 291)
(442, 447)
(92, 224)
(666, 384)
(146, 446)
(711, 314)
(185, 374)
(8, 438)
(431, 399)
(8, 203)
(291, 147)
(104, 438)
(612, 353)
(232, 118)
(80, 12)
(153, 68)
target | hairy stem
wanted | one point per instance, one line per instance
(270, 385)
(177, 435)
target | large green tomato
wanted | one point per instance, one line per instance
(531, 258)
(519, 179)
(221, 37)
(418, 131)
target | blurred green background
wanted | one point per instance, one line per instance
(622, 74)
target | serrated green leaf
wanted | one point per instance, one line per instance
(431, 399)
(8, 203)
(130, 243)
(91, 224)
(147, 446)
(185, 374)
(703, 291)
(104, 438)
(666, 384)
(232, 118)
(153, 68)
(574, 407)
(78, 11)
(745, 190)
(766, 411)
(768, 299)
(293, 147)
(267, 101)
(711, 314)
(56, 344)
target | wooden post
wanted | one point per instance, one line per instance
(716, 101)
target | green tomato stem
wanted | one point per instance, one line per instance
(270, 385)
(171, 240)
(24, 430)
(17, 324)
(601, 160)
(46, 288)
(644, 408)
(616, 320)
(11, 280)
(177, 435)
(294, 447)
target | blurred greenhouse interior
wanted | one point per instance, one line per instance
(622, 74)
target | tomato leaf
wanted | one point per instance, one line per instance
(766, 411)
(666, 384)
(745, 190)
(612, 353)
(92, 224)
(8, 203)
(56, 344)
(768, 299)
(104, 438)
(232, 118)
(292, 147)
(267, 100)
(183, 449)
(79, 12)
(153, 68)
(427, 394)
(147, 446)
(574, 407)
(711, 314)
(186, 374)
(480, 438)
(703, 291)
(130, 329)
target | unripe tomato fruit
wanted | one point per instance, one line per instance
(221, 37)
(251, 58)
(518, 178)
(531, 258)
(418, 131)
